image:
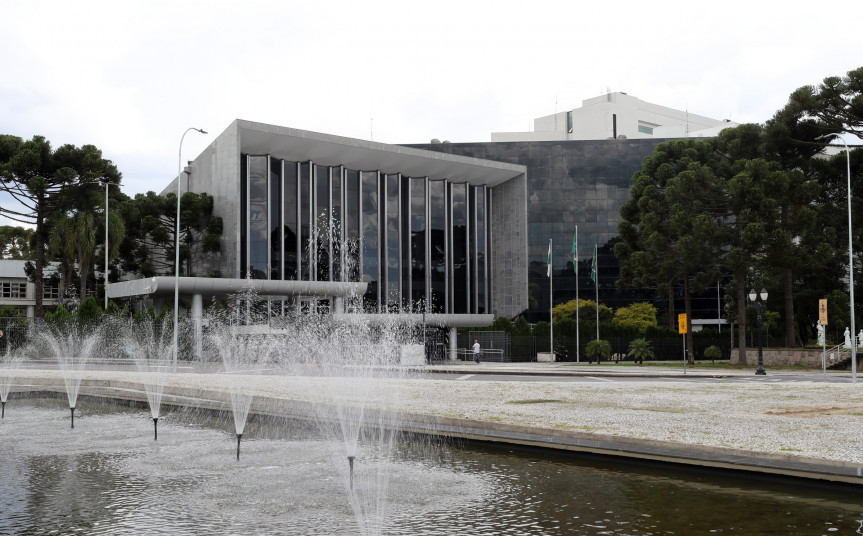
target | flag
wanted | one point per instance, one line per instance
(593, 266)
(549, 259)
(575, 251)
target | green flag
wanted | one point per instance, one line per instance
(575, 251)
(593, 266)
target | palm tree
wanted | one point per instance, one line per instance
(639, 350)
(74, 237)
(599, 349)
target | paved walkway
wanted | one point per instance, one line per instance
(666, 369)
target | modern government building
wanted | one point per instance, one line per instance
(458, 230)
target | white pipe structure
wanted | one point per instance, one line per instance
(177, 241)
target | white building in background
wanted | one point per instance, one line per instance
(17, 291)
(618, 116)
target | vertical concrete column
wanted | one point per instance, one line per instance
(31, 311)
(197, 321)
(453, 344)
(339, 305)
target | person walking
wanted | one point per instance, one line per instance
(476, 350)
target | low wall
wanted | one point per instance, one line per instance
(784, 357)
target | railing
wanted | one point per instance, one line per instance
(836, 357)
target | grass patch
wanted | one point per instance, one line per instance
(536, 401)
(664, 410)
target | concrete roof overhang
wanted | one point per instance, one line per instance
(301, 146)
(431, 319)
(225, 287)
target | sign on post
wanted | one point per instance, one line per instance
(822, 312)
(682, 324)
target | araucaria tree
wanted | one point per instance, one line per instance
(44, 182)
(151, 222)
(672, 227)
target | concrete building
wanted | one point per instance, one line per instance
(618, 116)
(423, 232)
(16, 291)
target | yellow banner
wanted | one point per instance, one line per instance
(822, 312)
(682, 324)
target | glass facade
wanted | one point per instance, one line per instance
(258, 217)
(418, 243)
(569, 183)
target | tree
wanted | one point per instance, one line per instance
(520, 328)
(638, 316)
(639, 350)
(43, 182)
(598, 349)
(151, 222)
(671, 229)
(586, 312)
(15, 243)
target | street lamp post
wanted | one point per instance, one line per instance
(851, 268)
(759, 309)
(177, 242)
(105, 181)
(850, 257)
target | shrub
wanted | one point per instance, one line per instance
(639, 350)
(712, 353)
(598, 349)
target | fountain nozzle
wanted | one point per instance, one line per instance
(351, 465)
(72, 410)
(239, 438)
(155, 428)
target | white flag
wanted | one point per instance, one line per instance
(549, 259)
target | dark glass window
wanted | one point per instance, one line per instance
(258, 230)
(275, 217)
(321, 237)
(351, 226)
(336, 226)
(370, 259)
(392, 241)
(305, 220)
(459, 249)
(480, 250)
(244, 215)
(290, 219)
(437, 226)
(418, 242)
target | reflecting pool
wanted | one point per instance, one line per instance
(108, 476)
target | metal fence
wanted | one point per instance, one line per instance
(525, 349)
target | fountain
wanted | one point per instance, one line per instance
(355, 367)
(244, 347)
(8, 364)
(150, 344)
(72, 344)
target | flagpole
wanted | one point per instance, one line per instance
(577, 331)
(551, 300)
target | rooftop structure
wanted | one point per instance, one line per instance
(618, 116)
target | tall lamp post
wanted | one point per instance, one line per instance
(759, 309)
(105, 181)
(850, 257)
(177, 241)
(851, 268)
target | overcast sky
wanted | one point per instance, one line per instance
(131, 76)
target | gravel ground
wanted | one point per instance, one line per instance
(798, 419)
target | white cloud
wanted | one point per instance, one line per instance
(130, 77)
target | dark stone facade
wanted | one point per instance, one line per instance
(570, 183)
